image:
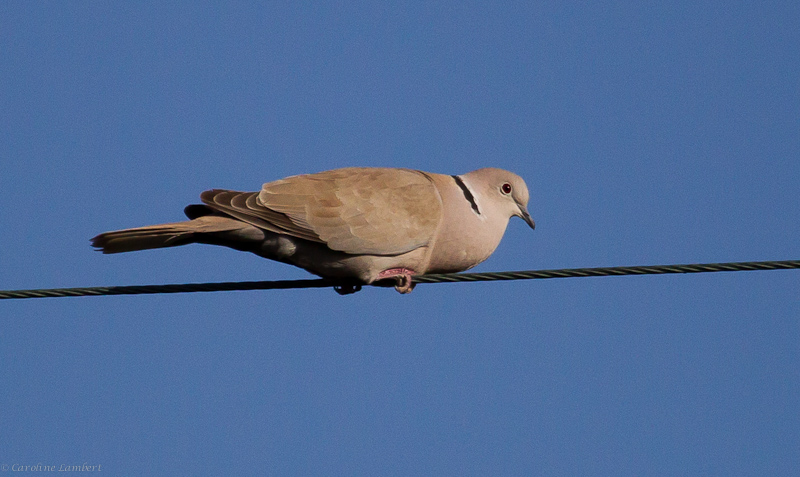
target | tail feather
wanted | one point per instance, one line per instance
(144, 238)
(167, 235)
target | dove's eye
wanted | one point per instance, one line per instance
(506, 188)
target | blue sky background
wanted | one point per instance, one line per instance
(648, 133)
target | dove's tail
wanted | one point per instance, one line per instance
(169, 235)
(144, 238)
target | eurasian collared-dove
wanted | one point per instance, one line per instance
(359, 223)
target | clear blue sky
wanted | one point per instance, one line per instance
(648, 133)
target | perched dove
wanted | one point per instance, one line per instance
(359, 223)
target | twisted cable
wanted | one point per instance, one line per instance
(431, 278)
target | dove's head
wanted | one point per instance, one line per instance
(503, 192)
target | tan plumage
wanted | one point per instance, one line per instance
(361, 223)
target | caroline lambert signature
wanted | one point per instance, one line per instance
(85, 467)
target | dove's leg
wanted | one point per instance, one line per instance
(402, 276)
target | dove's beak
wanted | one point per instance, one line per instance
(524, 215)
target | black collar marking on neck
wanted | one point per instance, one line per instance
(467, 194)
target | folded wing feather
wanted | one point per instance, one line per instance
(354, 210)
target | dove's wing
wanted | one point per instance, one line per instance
(358, 210)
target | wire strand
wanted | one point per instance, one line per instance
(432, 278)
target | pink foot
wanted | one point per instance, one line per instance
(402, 277)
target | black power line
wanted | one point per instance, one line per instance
(432, 278)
